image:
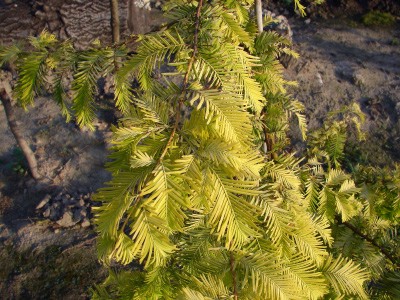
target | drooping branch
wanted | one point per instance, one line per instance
(22, 143)
(355, 230)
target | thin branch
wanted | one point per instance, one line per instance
(232, 267)
(180, 102)
(185, 81)
(269, 140)
(355, 230)
(268, 144)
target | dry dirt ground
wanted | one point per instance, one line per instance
(343, 62)
(340, 62)
(39, 259)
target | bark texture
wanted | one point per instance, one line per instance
(115, 21)
(22, 143)
(81, 21)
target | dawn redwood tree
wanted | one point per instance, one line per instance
(196, 209)
(195, 201)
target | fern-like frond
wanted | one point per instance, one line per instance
(388, 287)
(105, 245)
(348, 206)
(59, 96)
(227, 112)
(208, 67)
(44, 40)
(141, 159)
(91, 65)
(306, 238)
(118, 196)
(234, 31)
(123, 92)
(312, 187)
(269, 43)
(229, 157)
(9, 54)
(335, 146)
(301, 8)
(297, 108)
(177, 12)
(32, 72)
(153, 49)
(230, 67)
(251, 88)
(268, 278)
(271, 77)
(327, 203)
(346, 277)
(151, 242)
(241, 10)
(276, 219)
(188, 293)
(337, 196)
(230, 215)
(252, 92)
(282, 175)
(336, 177)
(153, 109)
(164, 194)
(304, 272)
(133, 132)
(211, 287)
(323, 228)
(124, 250)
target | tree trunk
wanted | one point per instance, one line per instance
(12, 123)
(115, 21)
(259, 17)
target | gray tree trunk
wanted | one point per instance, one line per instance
(259, 16)
(16, 131)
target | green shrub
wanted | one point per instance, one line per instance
(377, 18)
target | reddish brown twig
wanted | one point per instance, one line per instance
(232, 267)
(355, 230)
(185, 81)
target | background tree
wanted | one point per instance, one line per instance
(26, 91)
(18, 134)
(115, 26)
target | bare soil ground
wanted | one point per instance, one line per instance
(340, 62)
(343, 62)
(40, 259)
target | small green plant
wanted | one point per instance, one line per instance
(377, 18)
(395, 42)
(298, 6)
(18, 162)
